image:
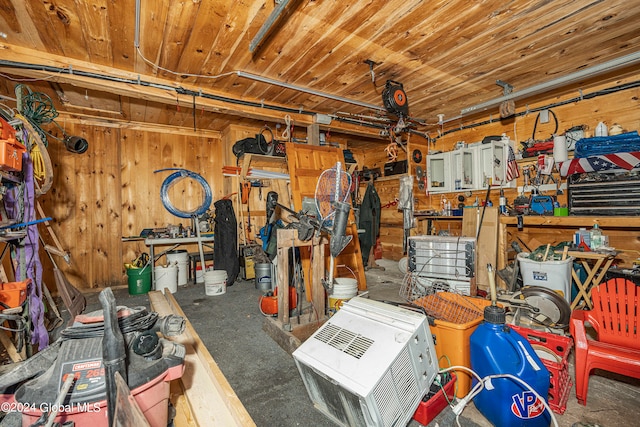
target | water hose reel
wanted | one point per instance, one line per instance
(394, 99)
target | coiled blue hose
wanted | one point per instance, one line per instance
(178, 175)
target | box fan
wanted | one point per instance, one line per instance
(370, 364)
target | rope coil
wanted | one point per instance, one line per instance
(172, 179)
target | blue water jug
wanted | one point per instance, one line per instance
(497, 349)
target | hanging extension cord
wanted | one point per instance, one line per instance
(462, 403)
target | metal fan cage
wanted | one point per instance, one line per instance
(333, 186)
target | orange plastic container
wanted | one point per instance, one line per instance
(11, 155)
(452, 339)
(13, 294)
(11, 150)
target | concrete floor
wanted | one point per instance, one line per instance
(266, 380)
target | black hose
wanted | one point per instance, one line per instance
(137, 321)
(486, 200)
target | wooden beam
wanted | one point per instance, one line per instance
(313, 134)
(137, 126)
(211, 399)
(10, 347)
(155, 89)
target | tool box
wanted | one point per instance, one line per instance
(597, 193)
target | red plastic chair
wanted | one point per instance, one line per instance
(614, 317)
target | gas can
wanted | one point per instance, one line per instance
(496, 349)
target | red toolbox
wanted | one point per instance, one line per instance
(434, 402)
(554, 351)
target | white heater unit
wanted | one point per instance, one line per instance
(369, 365)
(444, 259)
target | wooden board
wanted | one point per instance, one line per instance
(305, 164)
(211, 399)
(487, 244)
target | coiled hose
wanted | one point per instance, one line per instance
(178, 175)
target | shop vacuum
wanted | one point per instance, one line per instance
(98, 345)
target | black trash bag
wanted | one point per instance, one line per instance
(225, 253)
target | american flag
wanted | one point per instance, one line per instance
(606, 162)
(512, 171)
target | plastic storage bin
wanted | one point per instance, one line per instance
(13, 294)
(433, 403)
(451, 338)
(555, 275)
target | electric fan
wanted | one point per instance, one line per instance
(332, 192)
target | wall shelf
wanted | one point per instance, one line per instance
(575, 221)
(260, 161)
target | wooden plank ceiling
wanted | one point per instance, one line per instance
(448, 54)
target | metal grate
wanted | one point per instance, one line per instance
(438, 300)
(344, 340)
(387, 400)
(405, 381)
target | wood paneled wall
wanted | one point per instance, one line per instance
(616, 108)
(619, 107)
(112, 191)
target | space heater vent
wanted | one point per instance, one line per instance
(344, 340)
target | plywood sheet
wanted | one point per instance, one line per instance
(487, 244)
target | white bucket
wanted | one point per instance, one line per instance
(554, 275)
(166, 277)
(200, 273)
(215, 282)
(344, 288)
(181, 257)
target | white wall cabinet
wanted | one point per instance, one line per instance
(469, 168)
(439, 173)
(493, 162)
(463, 168)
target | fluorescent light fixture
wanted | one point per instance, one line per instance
(606, 67)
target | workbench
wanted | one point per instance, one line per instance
(287, 334)
(173, 243)
(555, 229)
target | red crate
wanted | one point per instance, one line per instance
(560, 347)
(429, 409)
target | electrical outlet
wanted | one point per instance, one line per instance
(544, 116)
